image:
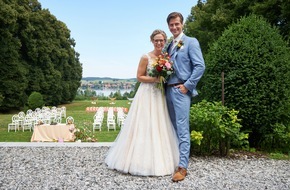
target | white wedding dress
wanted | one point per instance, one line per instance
(147, 144)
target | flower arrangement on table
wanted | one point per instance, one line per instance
(69, 122)
(162, 68)
(39, 122)
(82, 134)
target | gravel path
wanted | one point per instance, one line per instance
(69, 168)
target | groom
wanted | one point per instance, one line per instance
(189, 67)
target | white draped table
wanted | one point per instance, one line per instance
(52, 133)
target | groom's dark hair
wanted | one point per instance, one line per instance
(175, 15)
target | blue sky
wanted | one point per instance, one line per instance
(111, 36)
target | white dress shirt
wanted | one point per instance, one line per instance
(176, 40)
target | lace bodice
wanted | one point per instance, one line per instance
(150, 64)
(149, 85)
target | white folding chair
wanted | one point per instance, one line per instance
(63, 112)
(28, 123)
(98, 121)
(14, 124)
(111, 123)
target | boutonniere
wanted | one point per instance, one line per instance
(179, 45)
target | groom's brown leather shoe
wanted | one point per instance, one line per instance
(179, 174)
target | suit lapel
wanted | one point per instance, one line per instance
(173, 54)
(173, 50)
(169, 48)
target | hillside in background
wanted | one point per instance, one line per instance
(106, 78)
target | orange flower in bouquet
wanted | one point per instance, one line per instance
(162, 69)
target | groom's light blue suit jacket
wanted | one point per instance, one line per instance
(188, 63)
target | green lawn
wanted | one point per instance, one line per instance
(75, 109)
(82, 119)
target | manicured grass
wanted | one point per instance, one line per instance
(82, 119)
(75, 109)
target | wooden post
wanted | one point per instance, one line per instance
(223, 88)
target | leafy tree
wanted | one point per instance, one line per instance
(256, 63)
(208, 19)
(36, 54)
(12, 69)
(126, 95)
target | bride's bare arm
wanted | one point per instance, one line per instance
(141, 72)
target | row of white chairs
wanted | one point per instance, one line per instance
(29, 123)
(121, 116)
(98, 119)
(31, 118)
(112, 120)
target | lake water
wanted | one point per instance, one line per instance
(107, 92)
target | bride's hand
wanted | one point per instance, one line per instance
(157, 79)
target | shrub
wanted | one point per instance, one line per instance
(215, 128)
(278, 140)
(35, 100)
(256, 65)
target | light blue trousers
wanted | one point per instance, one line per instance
(179, 107)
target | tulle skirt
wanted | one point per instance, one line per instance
(147, 144)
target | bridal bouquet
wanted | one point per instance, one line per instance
(162, 68)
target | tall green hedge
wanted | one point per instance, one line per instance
(36, 54)
(256, 65)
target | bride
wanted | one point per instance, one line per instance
(147, 144)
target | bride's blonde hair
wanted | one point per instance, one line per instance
(158, 31)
